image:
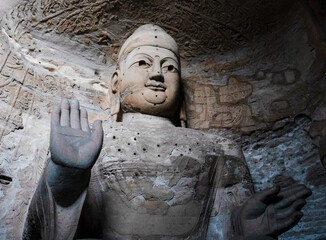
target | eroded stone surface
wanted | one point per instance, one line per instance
(159, 177)
(290, 152)
(68, 49)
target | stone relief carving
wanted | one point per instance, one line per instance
(219, 108)
(167, 192)
(234, 91)
(269, 60)
(83, 17)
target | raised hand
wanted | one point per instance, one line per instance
(74, 150)
(270, 212)
(72, 143)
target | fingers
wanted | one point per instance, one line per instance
(97, 134)
(70, 115)
(288, 209)
(291, 195)
(65, 113)
(285, 224)
(290, 190)
(265, 195)
(286, 212)
(84, 121)
(284, 181)
(55, 117)
(74, 115)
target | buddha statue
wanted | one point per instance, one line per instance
(145, 175)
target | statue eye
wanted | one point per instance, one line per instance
(170, 68)
(143, 64)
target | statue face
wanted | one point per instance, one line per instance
(150, 81)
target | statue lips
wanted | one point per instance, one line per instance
(155, 85)
(155, 93)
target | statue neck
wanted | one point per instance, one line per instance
(144, 120)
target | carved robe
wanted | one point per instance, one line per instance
(156, 181)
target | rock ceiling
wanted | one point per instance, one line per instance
(200, 27)
(256, 67)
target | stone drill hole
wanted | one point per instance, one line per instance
(158, 145)
(113, 137)
(144, 149)
(119, 150)
(135, 153)
(155, 36)
(135, 139)
(138, 133)
(155, 95)
(189, 149)
(176, 144)
(159, 155)
(154, 104)
(128, 143)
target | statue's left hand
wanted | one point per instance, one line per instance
(270, 212)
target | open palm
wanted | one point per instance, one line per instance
(271, 212)
(72, 143)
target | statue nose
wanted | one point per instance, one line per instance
(156, 74)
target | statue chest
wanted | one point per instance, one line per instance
(154, 184)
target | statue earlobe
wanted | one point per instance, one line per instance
(114, 95)
(183, 115)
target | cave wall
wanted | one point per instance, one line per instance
(254, 72)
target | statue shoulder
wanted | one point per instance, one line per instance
(217, 141)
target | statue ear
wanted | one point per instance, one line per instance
(115, 81)
(183, 115)
(114, 95)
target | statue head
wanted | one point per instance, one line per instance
(147, 77)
